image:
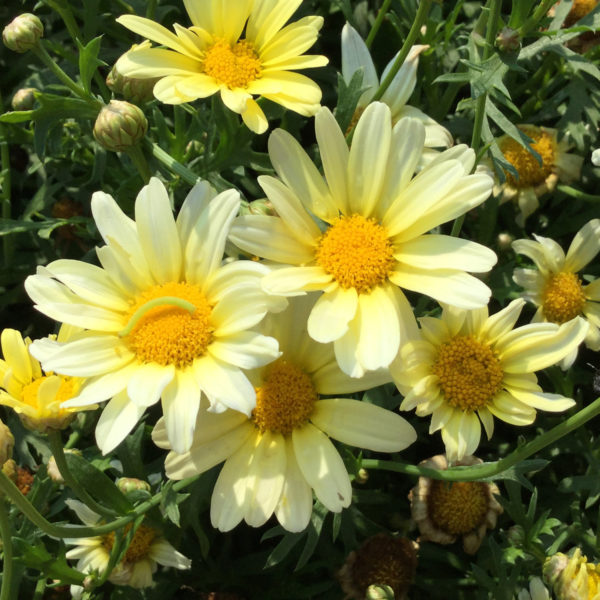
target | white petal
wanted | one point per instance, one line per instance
(507, 408)
(346, 350)
(245, 349)
(147, 383)
(103, 387)
(292, 281)
(117, 420)
(355, 56)
(363, 425)
(16, 354)
(164, 554)
(584, 247)
(194, 204)
(541, 400)
(331, 314)
(502, 322)
(403, 83)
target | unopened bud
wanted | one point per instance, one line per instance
(7, 443)
(119, 126)
(379, 592)
(23, 33)
(262, 207)
(516, 536)
(23, 99)
(137, 91)
(504, 240)
(9, 468)
(362, 476)
(508, 40)
(130, 484)
(53, 470)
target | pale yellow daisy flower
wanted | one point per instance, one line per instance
(572, 576)
(34, 395)
(534, 179)
(360, 233)
(239, 49)
(163, 318)
(275, 458)
(356, 56)
(470, 367)
(147, 549)
(556, 289)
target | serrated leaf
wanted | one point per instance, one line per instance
(88, 61)
(348, 97)
(170, 503)
(10, 226)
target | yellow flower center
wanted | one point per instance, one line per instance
(65, 391)
(579, 9)
(138, 547)
(529, 169)
(235, 66)
(285, 400)
(168, 334)
(562, 298)
(357, 252)
(384, 560)
(469, 373)
(458, 507)
(593, 580)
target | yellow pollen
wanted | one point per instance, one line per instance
(65, 392)
(357, 252)
(235, 66)
(529, 169)
(138, 547)
(469, 373)
(562, 298)
(458, 507)
(285, 400)
(169, 335)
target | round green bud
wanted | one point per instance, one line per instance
(137, 91)
(508, 40)
(130, 484)
(23, 33)
(120, 125)
(23, 99)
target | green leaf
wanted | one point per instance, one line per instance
(313, 534)
(88, 61)
(517, 472)
(348, 97)
(283, 548)
(170, 503)
(98, 484)
(10, 226)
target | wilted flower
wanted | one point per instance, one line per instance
(383, 561)
(445, 511)
(119, 126)
(535, 179)
(556, 289)
(23, 33)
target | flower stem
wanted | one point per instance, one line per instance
(7, 242)
(538, 14)
(7, 549)
(56, 446)
(137, 157)
(420, 18)
(173, 165)
(378, 21)
(12, 492)
(574, 193)
(491, 469)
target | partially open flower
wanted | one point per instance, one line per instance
(119, 126)
(572, 577)
(23, 33)
(445, 511)
(535, 179)
(382, 560)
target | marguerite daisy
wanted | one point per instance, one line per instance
(360, 234)
(34, 395)
(239, 49)
(278, 455)
(356, 55)
(469, 366)
(147, 549)
(556, 289)
(163, 318)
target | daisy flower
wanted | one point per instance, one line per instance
(162, 318)
(360, 234)
(469, 366)
(534, 179)
(147, 549)
(356, 56)
(240, 49)
(556, 289)
(278, 455)
(572, 576)
(34, 395)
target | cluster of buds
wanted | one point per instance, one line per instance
(23, 32)
(119, 126)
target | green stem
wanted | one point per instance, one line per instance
(151, 9)
(7, 242)
(43, 55)
(457, 226)
(420, 18)
(12, 492)
(378, 21)
(8, 561)
(574, 193)
(176, 167)
(538, 14)
(491, 469)
(56, 446)
(137, 157)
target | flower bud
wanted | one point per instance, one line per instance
(23, 99)
(130, 484)
(259, 207)
(23, 33)
(7, 443)
(9, 468)
(137, 91)
(508, 40)
(119, 126)
(379, 592)
(53, 470)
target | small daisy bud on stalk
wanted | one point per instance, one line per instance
(23, 33)
(508, 40)
(23, 99)
(130, 484)
(119, 126)
(7, 443)
(133, 90)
